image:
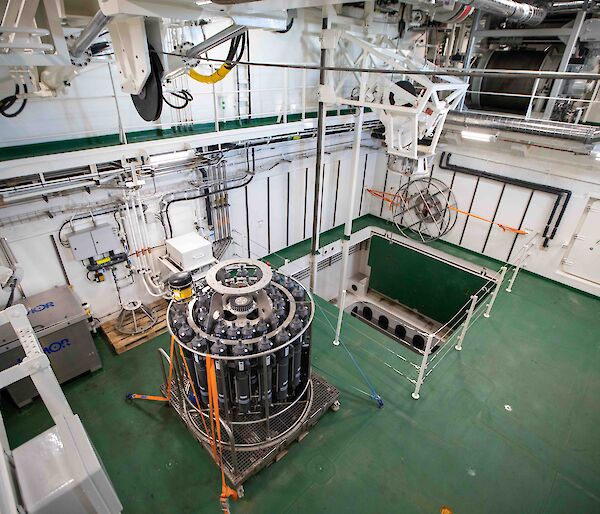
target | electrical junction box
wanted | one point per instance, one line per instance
(93, 241)
(190, 251)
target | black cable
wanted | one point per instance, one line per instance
(183, 94)
(11, 297)
(9, 101)
(240, 54)
(230, 61)
(82, 217)
(288, 28)
(165, 211)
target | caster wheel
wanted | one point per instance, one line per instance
(335, 406)
(240, 491)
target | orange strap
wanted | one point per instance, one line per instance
(213, 400)
(502, 226)
(171, 355)
(134, 396)
(385, 196)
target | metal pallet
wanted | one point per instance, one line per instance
(243, 463)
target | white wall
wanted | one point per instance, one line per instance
(289, 217)
(577, 173)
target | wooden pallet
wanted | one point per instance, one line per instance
(122, 342)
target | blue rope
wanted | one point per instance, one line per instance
(374, 394)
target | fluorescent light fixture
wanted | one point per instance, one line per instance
(477, 136)
(163, 158)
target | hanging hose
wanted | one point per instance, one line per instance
(183, 94)
(9, 101)
(233, 57)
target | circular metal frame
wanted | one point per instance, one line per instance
(309, 301)
(212, 277)
(308, 391)
(424, 209)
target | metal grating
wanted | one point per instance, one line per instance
(242, 464)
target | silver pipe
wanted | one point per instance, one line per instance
(216, 40)
(88, 34)
(572, 6)
(582, 133)
(513, 11)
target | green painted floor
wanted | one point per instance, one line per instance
(457, 446)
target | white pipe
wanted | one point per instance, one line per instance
(336, 341)
(146, 235)
(135, 247)
(354, 181)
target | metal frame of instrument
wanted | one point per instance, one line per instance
(99, 492)
(408, 118)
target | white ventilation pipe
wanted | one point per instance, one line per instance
(526, 14)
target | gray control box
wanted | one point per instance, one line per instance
(61, 325)
(94, 241)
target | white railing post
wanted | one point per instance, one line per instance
(285, 95)
(423, 367)
(303, 94)
(342, 304)
(536, 83)
(465, 327)
(515, 273)
(495, 293)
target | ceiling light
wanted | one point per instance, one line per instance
(477, 136)
(163, 158)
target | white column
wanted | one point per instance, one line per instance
(423, 367)
(465, 327)
(495, 293)
(336, 341)
(353, 184)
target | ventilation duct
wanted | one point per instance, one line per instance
(526, 14)
(581, 133)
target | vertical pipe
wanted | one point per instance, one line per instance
(470, 48)
(122, 133)
(341, 305)
(536, 83)
(495, 293)
(318, 171)
(564, 62)
(354, 180)
(285, 95)
(60, 261)
(304, 94)
(465, 327)
(592, 101)
(423, 367)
